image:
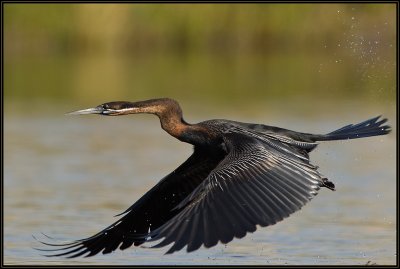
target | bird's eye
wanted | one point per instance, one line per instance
(105, 106)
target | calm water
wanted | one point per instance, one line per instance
(68, 177)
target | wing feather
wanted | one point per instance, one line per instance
(257, 183)
(151, 211)
(215, 196)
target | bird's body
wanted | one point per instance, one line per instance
(240, 175)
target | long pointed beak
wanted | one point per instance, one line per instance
(95, 110)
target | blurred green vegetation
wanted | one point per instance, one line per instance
(218, 53)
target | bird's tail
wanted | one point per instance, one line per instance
(371, 127)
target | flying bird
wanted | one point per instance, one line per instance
(240, 175)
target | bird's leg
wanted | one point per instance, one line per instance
(328, 184)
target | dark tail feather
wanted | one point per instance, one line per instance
(371, 127)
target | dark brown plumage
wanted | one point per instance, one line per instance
(240, 175)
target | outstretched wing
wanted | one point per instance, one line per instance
(149, 212)
(259, 182)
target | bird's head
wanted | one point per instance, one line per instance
(109, 109)
(153, 106)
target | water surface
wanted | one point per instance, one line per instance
(68, 177)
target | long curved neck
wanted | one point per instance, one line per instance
(171, 119)
(170, 114)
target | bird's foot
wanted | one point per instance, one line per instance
(328, 184)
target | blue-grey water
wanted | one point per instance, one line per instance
(68, 176)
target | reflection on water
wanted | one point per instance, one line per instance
(68, 177)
